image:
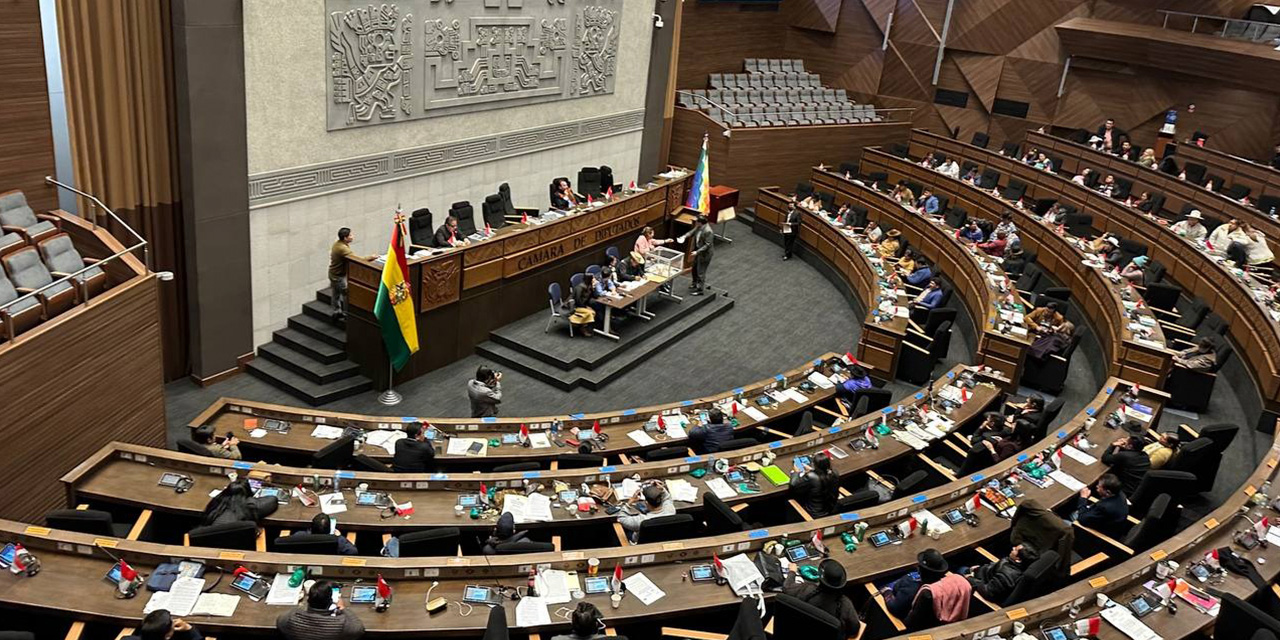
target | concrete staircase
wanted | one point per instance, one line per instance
(308, 358)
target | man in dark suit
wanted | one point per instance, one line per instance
(1110, 136)
(703, 248)
(413, 453)
(1109, 514)
(1128, 461)
(447, 235)
(790, 232)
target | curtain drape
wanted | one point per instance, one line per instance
(117, 58)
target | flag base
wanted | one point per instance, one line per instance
(390, 397)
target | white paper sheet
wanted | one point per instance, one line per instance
(222, 605)
(460, 446)
(553, 587)
(183, 595)
(1065, 479)
(539, 440)
(1078, 455)
(682, 490)
(257, 433)
(822, 381)
(755, 413)
(326, 432)
(1123, 619)
(281, 594)
(721, 488)
(532, 508)
(385, 439)
(640, 586)
(934, 523)
(159, 600)
(641, 438)
(532, 612)
(795, 394)
(332, 504)
(627, 489)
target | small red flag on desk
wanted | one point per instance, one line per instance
(848, 356)
(715, 561)
(662, 424)
(524, 431)
(964, 394)
(488, 231)
(384, 589)
(484, 493)
(524, 218)
(595, 427)
(977, 501)
(608, 194)
(19, 565)
(633, 185)
(733, 408)
(617, 572)
(589, 200)
(127, 572)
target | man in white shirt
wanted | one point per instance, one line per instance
(1191, 228)
(950, 168)
(1224, 236)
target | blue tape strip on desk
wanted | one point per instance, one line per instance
(1022, 457)
(686, 403)
(977, 477)
(779, 377)
(439, 476)
(738, 390)
(850, 517)
(1090, 411)
(919, 395)
(608, 469)
(241, 465)
(1062, 434)
(775, 444)
(920, 498)
(1108, 390)
(629, 412)
(408, 419)
(533, 474)
(951, 374)
(757, 534)
(834, 430)
(693, 459)
(577, 416)
(490, 419)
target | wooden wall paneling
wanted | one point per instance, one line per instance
(93, 375)
(818, 15)
(1000, 26)
(716, 36)
(26, 138)
(981, 73)
(1144, 11)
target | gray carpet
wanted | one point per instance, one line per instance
(785, 314)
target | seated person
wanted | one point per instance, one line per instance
(971, 232)
(585, 623)
(1030, 411)
(928, 203)
(995, 581)
(504, 531)
(921, 274)
(1201, 357)
(996, 245)
(948, 599)
(1057, 214)
(612, 263)
(1100, 242)
(1191, 228)
(950, 168)
(931, 297)
(1082, 177)
(1006, 225)
(710, 437)
(1256, 251)
(235, 503)
(843, 215)
(447, 235)
(811, 203)
(324, 618)
(873, 232)
(1015, 260)
(929, 161)
(564, 198)
(1108, 185)
(630, 268)
(1110, 253)
(890, 245)
(1036, 526)
(1162, 450)
(227, 448)
(828, 595)
(413, 453)
(1148, 159)
(646, 242)
(161, 625)
(584, 304)
(907, 263)
(657, 501)
(818, 488)
(1030, 156)
(605, 284)
(858, 380)
(993, 423)
(323, 525)
(1052, 342)
(1127, 151)
(1226, 235)
(903, 194)
(972, 176)
(1109, 514)
(1136, 271)
(1127, 459)
(1002, 446)
(1043, 163)
(1043, 319)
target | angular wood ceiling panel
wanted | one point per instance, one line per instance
(818, 15)
(1000, 26)
(879, 11)
(982, 72)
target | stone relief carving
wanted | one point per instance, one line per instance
(469, 56)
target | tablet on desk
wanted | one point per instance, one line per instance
(954, 516)
(881, 538)
(113, 576)
(372, 499)
(798, 553)
(476, 594)
(170, 479)
(601, 585)
(281, 495)
(363, 594)
(510, 438)
(469, 500)
(253, 587)
(735, 476)
(700, 573)
(6, 555)
(1056, 633)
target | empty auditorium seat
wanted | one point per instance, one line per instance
(16, 316)
(27, 272)
(668, 528)
(62, 259)
(441, 541)
(17, 217)
(421, 231)
(228, 535)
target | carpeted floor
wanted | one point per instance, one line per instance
(785, 313)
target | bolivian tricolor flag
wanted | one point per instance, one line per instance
(700, 191)
(394, 307)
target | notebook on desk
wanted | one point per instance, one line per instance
(775, 474)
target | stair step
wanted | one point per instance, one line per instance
(317, 350)
(304, 389)
(319, 310)
(323, 295)
(303, 365)
(322, 330)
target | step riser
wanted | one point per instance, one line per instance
(318, 335)
(309, 352)
(596, 385)
(303, 395)
(500, 358)
(318, 314)
(308, 374)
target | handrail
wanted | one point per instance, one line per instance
(726, 112)
(1227, 22)
(70, 278)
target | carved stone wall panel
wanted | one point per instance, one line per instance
(399, 61)
(441, 283)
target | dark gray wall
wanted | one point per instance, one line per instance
(208, 48)
(651, 156)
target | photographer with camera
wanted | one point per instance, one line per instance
(485, 392)
(228, 447)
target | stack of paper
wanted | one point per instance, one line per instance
(721, 488)
(795, 395)
(755, 413)
(534, 507)
(532, 612)
(1065, 479)
(222, 605)
(627, 489)
(641, 438)
(326, 432)
(539, 440)
(281, 594)
(1078, 455)
(640, 586)
(682, 490)
(553, 586)
(462, 447)
(183, 595)
(332, 504)
(386, 439)
(823, 382)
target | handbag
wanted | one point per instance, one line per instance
(771, 568)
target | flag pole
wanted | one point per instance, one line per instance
(390, 397)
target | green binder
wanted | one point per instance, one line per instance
(775, 475)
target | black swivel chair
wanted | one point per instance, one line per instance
(367, 463)
(509, 208)
(804, 424)
(589, 182)
(859, 499)
(1237, 191)
(1195, 173)
(1269, 204)
(1011, 150)
(803, 190)
(1180, 485)
(956, 217)
(606, 180)
(665, 453)
(1030, 277)
(1052, 294)
(321, 544)
(1129, 249)
(421, 231)
(980, 139)
(517, 467)
(466, 215)
(922, 334)
(580, 460)
(1162, 295)
(899, 149)
(1050, 374)
(909, 485)
(242, 536)
(795, 618)
(335, 455)
(442, 541)
(719, 518)
(849, 169)
(739, 443)
(1124, 187)
(877, 399)
(989, 179)
(668, 528)
(91, 521)
(1079, 224)
(1014, 191)
(186, 445)
(916, 363)
(859, 216)
(1038, 579)
(494, 211)
(1240, 619)
(517, 547)
(1190, 390)
(1200, 457)
(1162, 517)
(1221, 434)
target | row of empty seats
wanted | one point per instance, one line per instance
(773, 65)
(763, 81)
(775, 93)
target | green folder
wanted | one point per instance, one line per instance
(775, 475)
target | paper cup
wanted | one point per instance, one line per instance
(593, 566)
(458, 510)
(615, 600)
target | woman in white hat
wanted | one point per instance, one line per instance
(1192, 228)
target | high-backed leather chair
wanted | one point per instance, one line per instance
(665, 453)
(466, 215)
(668, 528)
(719, 518)
(795, 618)
(909, 485)
(517, 547)
(62, 259)
(877, 399)
(1178, 484)
(335, 455)
(989, 179)
(494, 211)
(916, 363)
(580, 460)
(517, 467)
(367, 463)
(956, 217)
(980, 139)
(189, 446)
(589, 183)
(421, 231)
(1162, 517)
(857, 500)
(606, 179)
(1050, 374)
(91, 521)
(1190, 390)
(441, 541)
(27, 271)
(242, 536)
(1038, 579)
(510, 210)
(322, 544)
(1200, 457)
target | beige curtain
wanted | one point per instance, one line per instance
(118, 65)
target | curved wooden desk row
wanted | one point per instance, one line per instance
(1129, 355)
(239, 416)
(462, 294)
(1125, 580)
(69, 559)
(1262, 179)
(1177, 192)
(128, 474)
(1228, 291)
(969, 270)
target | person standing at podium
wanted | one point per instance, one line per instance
(338, 272)
(703, 248)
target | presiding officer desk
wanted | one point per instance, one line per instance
(1228, 291)
(1177, 192)
(70, 559)
(978, 279)
(241, 416)
(461, 294)
(126, 475)
(1130, 355)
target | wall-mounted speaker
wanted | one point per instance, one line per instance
(951, 98)
(1011, 108)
